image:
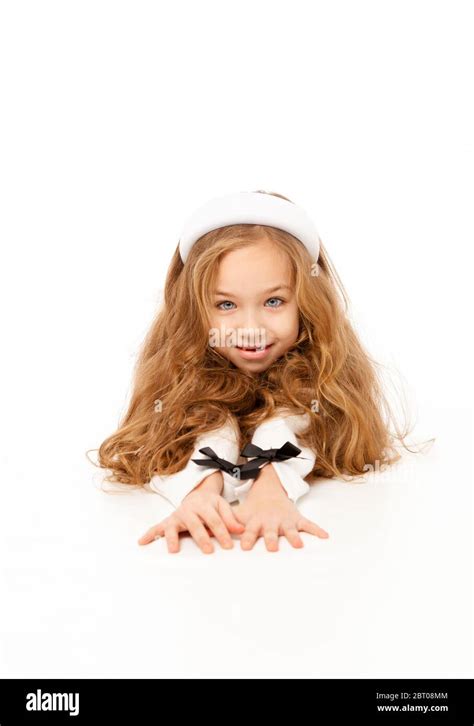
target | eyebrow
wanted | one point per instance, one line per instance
(265, 292)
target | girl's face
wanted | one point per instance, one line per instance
(254, 307)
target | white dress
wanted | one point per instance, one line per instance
(271, 434)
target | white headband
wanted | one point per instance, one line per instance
(249, 208)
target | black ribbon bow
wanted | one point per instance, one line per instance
(215, 462)
(250, 469)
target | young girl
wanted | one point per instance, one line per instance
(250, 382)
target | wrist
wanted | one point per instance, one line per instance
(268, 485)
(214, 483)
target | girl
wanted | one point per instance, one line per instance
(252, 345)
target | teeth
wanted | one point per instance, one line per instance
(254, 349)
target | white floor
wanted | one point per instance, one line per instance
(388, 595)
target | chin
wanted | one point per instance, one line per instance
(253, 367)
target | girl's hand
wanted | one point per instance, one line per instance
(268, 511)
(202, 507)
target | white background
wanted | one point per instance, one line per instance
(117, 120)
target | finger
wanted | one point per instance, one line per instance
(291, 534)
(250, 535)
(237, 512)
(199, 533)
(270, 535)
(230, 520)
(306, 525)
(172, 538)
(153, 533)
(217, 527)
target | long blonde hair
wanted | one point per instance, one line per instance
(183, 387)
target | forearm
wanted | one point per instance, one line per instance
(290, 474)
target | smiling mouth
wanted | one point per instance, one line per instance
(253, 353)
(254, 347)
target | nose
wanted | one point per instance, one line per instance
(252, 324)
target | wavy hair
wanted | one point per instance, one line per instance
(183, 387)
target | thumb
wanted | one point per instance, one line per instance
(228, 515)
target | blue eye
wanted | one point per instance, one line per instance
(224, 303)
(278, 299)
